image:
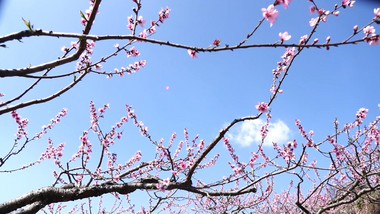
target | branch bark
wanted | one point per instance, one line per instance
(37, 199)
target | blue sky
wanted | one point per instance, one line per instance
(205, 93)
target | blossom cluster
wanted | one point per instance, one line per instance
(163, 14)
(22, 123)
(84, 149)
(147, 32)
(54, 121)
(132, 52)
(287, 152)
(282, 66)
(271, 14)
(360, 115)
(131, 23)
(308, 137)
(371, 37)
(53, 153)
(132, 68)
(86, 15)
(85, 59)
(262, 107)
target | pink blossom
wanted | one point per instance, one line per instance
(285, 3)
(270, 14)
(284, 36)
(262, 107)
(376, 11)
(98, 66)
(132, 52)
(312, 164)
(74, 44)
(303, 39)
(78, 178)
(216, 42)
(130, 22)
(160, 187)
(141, 21)
(163, 14)
(369, 30)
(328, 39)
(321, 11)
(86, 15)
(348, 3)
(90, 44)
(374, 40)
(273, 90)
(151, 30)
(293, 143)
(166, 181)
(288, 55)
(64, 49)
(355, 28)
(312, 9)
(83, 21)
(192, 53)
(167, 87)
(22, 123)
(313, 21)
(182, 165)
(360, 115)
(143, 34)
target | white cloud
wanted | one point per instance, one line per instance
(249, 132)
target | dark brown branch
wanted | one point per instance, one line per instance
(47, 195)
(52, 64)
(39, 32)
(39, 198)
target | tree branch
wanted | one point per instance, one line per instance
(39, 198)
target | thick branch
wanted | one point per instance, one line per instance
(52, 64)
(47, 195)
(37, 199)
(39, 32)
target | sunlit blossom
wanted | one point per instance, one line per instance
(262, 107)
(270, 14)
(192, 53)
(369, 30)
(348, 3)
(285, 3)
(284, 36)
(376, 11)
